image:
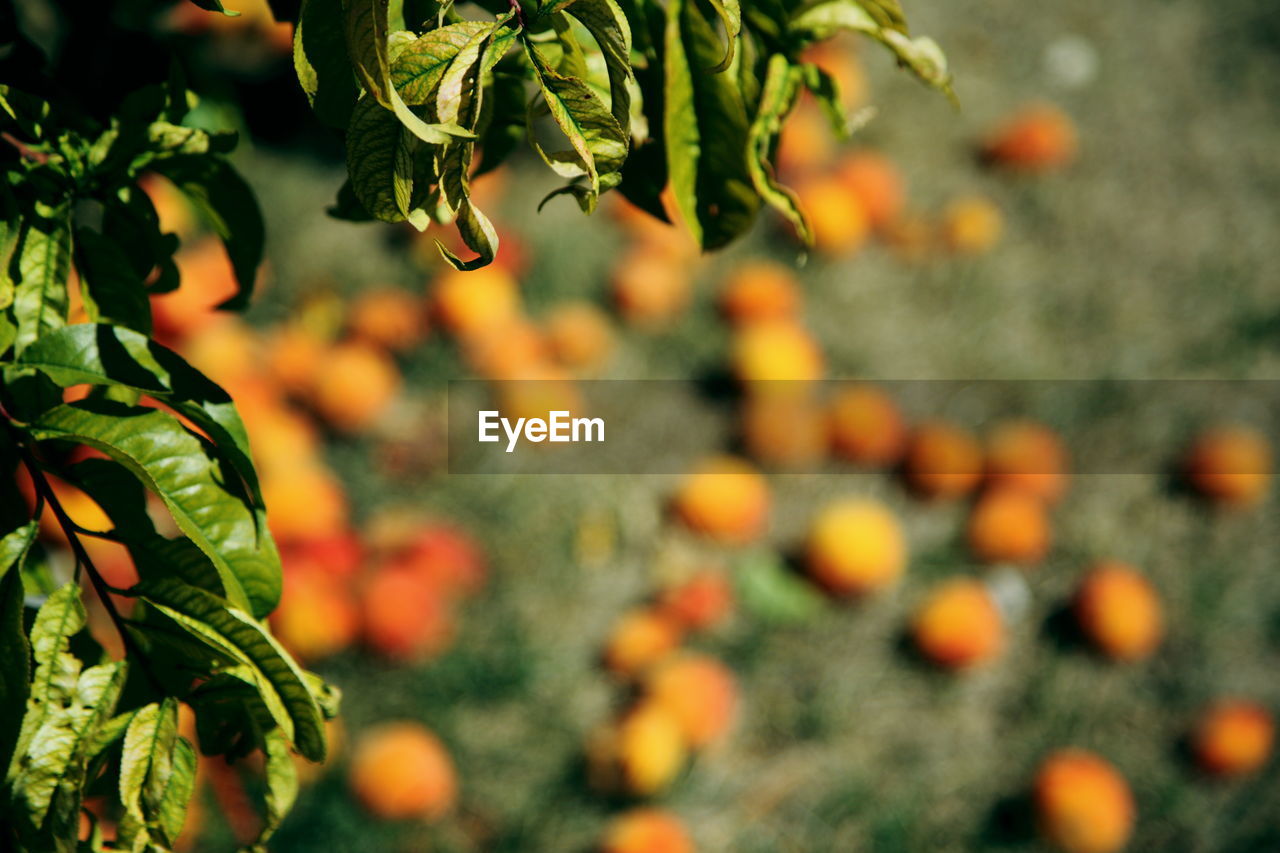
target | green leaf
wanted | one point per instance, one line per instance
(40, 301)
(421, 64)
(598, 143)
(157, 775)
(110, 289)
(826, 88)
(773, 593)
(215, 6)
(282, 784)
(706, 130)
(180, 468)
(95, 354)
(263, 663)
(373, 144)
(320, 60)
(781, 88)
(15, 652)
(228, 205)
(504, 129)
(608, 25)
(730, 14)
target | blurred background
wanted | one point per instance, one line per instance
(936, 638)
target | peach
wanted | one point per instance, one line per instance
(303, 501)
(404, 618)
(640, 639)
(172, 208)
(652, 234)
(1037, 138)
(1119, 611)
(785, 430)
(646, 831)
(641, 754)
(280, 436)
(339, 553)
(650, 289)
(959, 625)
(580, 336)
(401, 770)
(700, 602)
(446, 559)
(357, 386)
(759, 290)
(225, 349)
(838, 57)
(806, 144)
(317, 616)
(839, 222)
(1009, 526)
(468, 303)
(699, 692)
(724, 499)
(294, 356)
(1233, 738)
(1083, 803)
(866, 427)
(855, 546)
(1028, 456)
(971, 225)
(207, 280)
(876, 182)
(1230, 465)
(516, 349)
(388, 317)
(942, 461)
(775, 351)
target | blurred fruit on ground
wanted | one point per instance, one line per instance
(1039, 137)
(357, 384)
(865, 426)
(807, 143)
(757, 290)
(401, 771)
(1119, 611)
(303, 501)
(388, 317)
(836, 216)
(971, 225)
(443, 556)
(1230, 465)
(468, 303)
(516, 349)
(207, 281)
(699, 603)
(855, 546)
(877, 183)
(1234, 737)
(646, 830)
(318, 615)
(650, 234)
(699, 691)
(641, 754)
(724, 499)
(579, 336)
(1083, 803)
(958, 625)
(640, 639)
(1028, 456)
(783, 430)
(294, 356)
(172, 208)
(942, 461)
(649, 289)
(405, 619)
(1009, 526)
(775, 351)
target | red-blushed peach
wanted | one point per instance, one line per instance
(866, 427)
(388, 317)
(646, 830)
(1009, 526)
(700, 602)
(401, 771)
(783, 430)
(640, 639)
(1230, 465)
(959, 625)
(1233, 738)
(317, 616)
(756, 291)
(404, 618)
(1119, 611)
(699, 691)
(724, 499)
(1083, 804)
(445, 557)
(877, 183)
(1037, 138)
(942, 461)
(855, 546)
(1029, 456)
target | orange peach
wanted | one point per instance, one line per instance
(876, 182)
(650, 289)
(1037, 138)
(866, 427)
(1119, 611)
(838, 57)
(942, 461)
(1009, 526)
(959, 625)
(699, 692)
(317, 616)
(303, 501)
(224, 349)
(404, 618)
(839, 222)
(785, 430)
(806, 144)
(172, 208)
(646, 831)
(641, 754)
(640, 639)
(295, 356)
(1233, 738)
(1028, 456)
(700, 602)
(652, 234)
(388, 317)
(468, 303)
(516, 349)
(1230, 465)
(725, 499)
(759, 290)
(775, 351)
(1083, 803)
(207, 281)
(579, 335)
(446, 559)
(400, 771)
(855, 546)
(971, 225)
(357, 385)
